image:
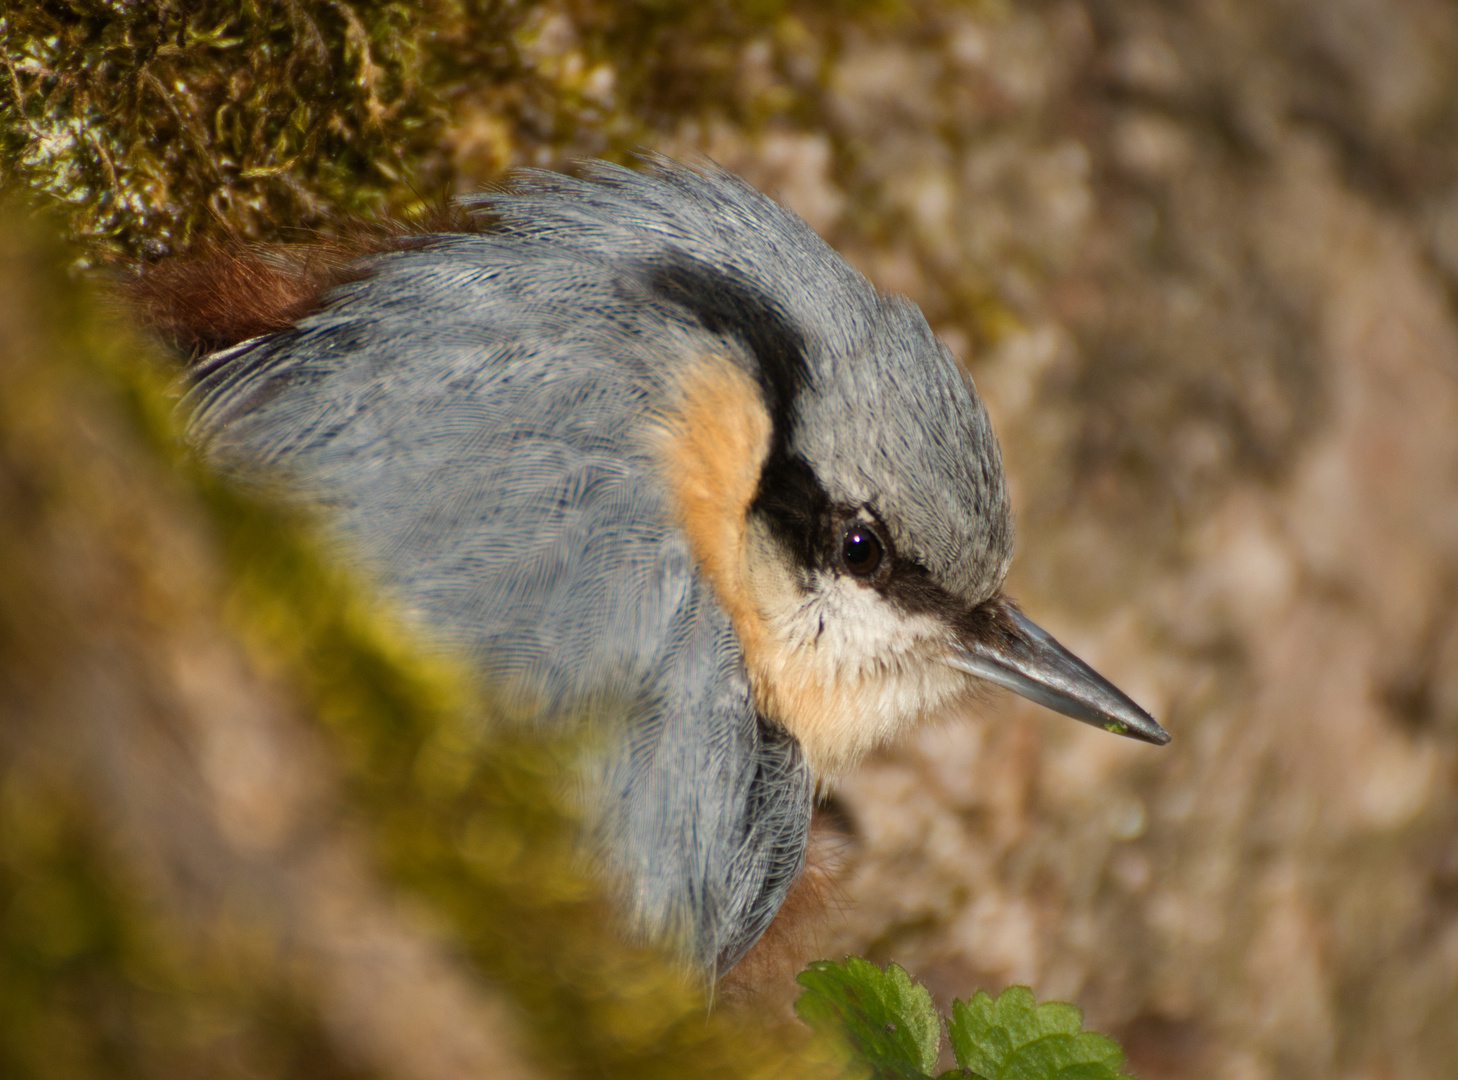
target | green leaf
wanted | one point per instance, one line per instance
(881, 1017)
(1015, 1038)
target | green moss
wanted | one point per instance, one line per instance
(157, 123)
(161, 125)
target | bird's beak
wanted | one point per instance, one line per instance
(1025, 658)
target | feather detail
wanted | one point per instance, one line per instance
(766, 974)
(228, 290)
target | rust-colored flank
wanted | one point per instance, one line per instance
(229, 290)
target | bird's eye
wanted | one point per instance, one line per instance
(861, 550)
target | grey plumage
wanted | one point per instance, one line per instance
(477, 418)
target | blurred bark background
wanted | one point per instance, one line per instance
(1202, 260)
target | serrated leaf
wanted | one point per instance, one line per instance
(1060, 1016)
(1050, 1057)
(977, 1042)
(1093, 1047)
(1014, 1038)
(882, 1017)
(1090, 1071)
(1016, 1012)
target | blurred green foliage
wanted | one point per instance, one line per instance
(96, 979)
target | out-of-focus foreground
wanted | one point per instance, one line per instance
(1202, 260)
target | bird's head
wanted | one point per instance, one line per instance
(828, 460)
(840, 482)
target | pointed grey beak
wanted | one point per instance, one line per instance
(1030, 663)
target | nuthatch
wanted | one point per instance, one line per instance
(646, 446)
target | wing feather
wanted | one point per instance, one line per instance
(471, 421)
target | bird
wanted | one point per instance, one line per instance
(638, 444)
